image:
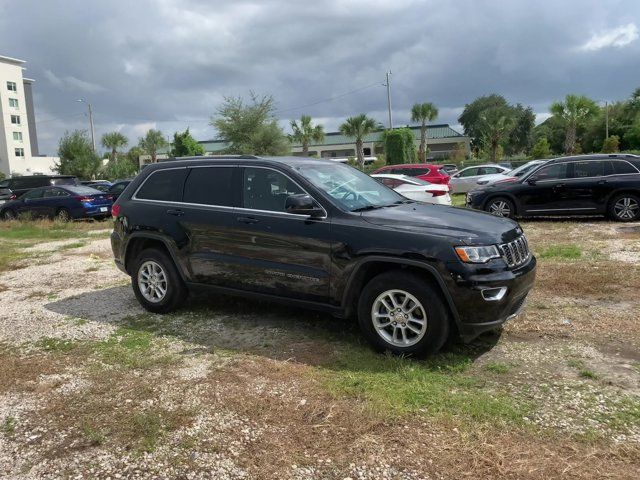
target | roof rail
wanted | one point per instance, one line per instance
(205, 157)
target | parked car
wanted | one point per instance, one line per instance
(102, 185)
(579, 185)
(117, 188)
(322, 235)
(416, 189)
(430, 173)
(19, 185)
(511, 175)
(62, 202)
(450, 168)
(466, 179)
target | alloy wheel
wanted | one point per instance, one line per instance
(63, 216)
(500, 208)
(626, 208)
(399, 318)
(152, 281)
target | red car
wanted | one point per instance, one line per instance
(424, 171)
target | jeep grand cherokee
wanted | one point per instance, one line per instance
(323, 235)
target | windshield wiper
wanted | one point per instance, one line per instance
(374, 207)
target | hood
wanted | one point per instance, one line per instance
(467, 226)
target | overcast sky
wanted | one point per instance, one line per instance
(168, 64)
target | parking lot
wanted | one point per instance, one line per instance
(93, 386)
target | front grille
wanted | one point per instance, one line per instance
(515, 253)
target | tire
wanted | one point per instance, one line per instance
(175, 291)
(63, 215)
(625, 207)
(501, 207)
(8, 214)
(398, 285)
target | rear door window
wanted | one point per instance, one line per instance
(470, 172)
(210, 186)
(33, 194)
(587, 169)
(619, 167)
(164, 185)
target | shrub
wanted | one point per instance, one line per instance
(541, 149)
(399, 146)
(611, 144)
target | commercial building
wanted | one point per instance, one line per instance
(19, 153)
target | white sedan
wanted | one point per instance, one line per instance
(416, 189)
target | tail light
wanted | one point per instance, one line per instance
(84, 199)
(13, 197)
(436, 193)
(115, 210)
(110, 197)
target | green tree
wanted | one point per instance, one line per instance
(359, 127)
(123, 167)
(576, 110)
(152, 142)
(399, 146)
(133, 156)
(632, 136)
(113, 141)
(496, 123)
(471, 120)
(305, 133)
(251, 128)
(521, 136)
(77, 156)
(184, 145)
(423, 113)
(611, 144)
(541, 149)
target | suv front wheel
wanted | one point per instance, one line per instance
(402, 313)
(156, 282)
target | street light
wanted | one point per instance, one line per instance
(93, 133)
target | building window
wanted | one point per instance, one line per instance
(12, 87)
(13, 103)
(19, 152)
(17, 136)
(15, 119)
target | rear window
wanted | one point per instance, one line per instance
(163, 185)
(414, 172)
(64, 181)
(209, 186)
(82, 190)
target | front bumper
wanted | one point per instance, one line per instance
(478, 312)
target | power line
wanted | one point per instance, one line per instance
(329, 99)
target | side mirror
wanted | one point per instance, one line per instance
(302, 204)
(531, 181)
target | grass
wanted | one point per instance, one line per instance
(565, 252)
(497, 367)
(439, 386)
(57, 345)
(588, 374)
(131, 349)
(458, 199)
(9, 425)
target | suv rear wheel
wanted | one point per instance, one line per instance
(625, 207)
(156, 282)
(402, 313)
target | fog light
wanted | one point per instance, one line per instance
(494, 294)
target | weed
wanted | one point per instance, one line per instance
(9, 425)
(497, 367)
(59, 345)
(92, 434)
(565, 252)
(588, 374)
(575, 363)
(131, 349)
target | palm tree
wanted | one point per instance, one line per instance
(423, 113)
(574, 111)
(359, 127)
(152, 142)
(113, 141)
(306, 132)
(497, 123)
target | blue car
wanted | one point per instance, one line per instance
(61, 202)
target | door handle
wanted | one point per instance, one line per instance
(560, 185)
(248, 220)
(176, 213)
(602, 182)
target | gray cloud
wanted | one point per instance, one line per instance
(169, 63)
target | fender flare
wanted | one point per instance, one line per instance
(169, 245)
(429, 269)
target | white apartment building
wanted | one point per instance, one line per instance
(18, 138)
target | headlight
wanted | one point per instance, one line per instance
(477, 254)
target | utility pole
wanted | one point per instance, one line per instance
(388, 85)
(606, 117)
(93, 133)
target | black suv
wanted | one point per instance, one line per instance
(579, 185)
(323, 235)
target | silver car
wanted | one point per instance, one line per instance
(466, 179)
(511, 174)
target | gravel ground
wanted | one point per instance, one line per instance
(231, 391)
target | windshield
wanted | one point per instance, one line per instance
(521, 170)
(350, 188)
